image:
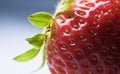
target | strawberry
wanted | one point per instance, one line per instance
(82, 37)
(85, 39)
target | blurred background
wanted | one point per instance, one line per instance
(14, 29)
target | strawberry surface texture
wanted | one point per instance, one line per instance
(85, 38)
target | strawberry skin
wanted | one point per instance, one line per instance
(85, 39)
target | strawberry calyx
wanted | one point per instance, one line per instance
(38, 41)
(39, 20)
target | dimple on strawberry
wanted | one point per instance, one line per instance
(81, 37)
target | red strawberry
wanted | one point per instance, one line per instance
(85, 39)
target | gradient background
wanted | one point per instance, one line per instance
(14, 29)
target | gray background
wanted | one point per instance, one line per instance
(14, 28)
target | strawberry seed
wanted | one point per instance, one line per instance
(67, 31)
(100, 68)
(89, 72)
(82, 37)
(81, 21)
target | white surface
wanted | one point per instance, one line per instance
(12, 43)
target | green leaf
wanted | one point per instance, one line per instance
(62, 6)
(26, 56)
(37, 40)
(40, 19)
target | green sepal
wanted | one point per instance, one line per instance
(63, 6)
(26, 56)
(40, 19)
(43, 60)
(37, 40)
